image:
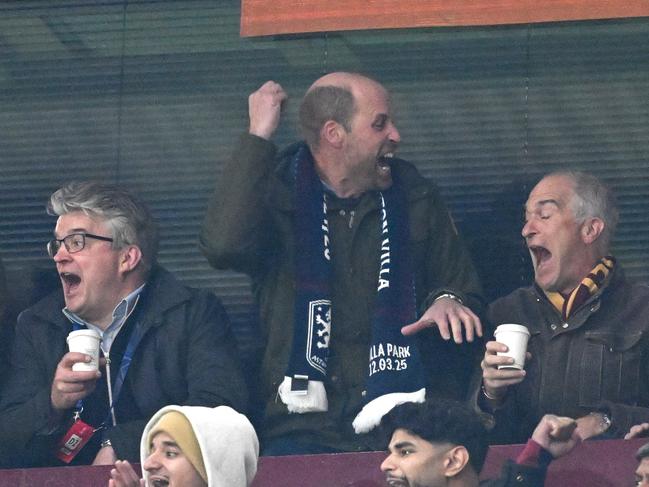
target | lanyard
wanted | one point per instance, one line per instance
(133, 342)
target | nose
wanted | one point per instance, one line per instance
(152, 462)
(394, 134)
(387, 465)
(61, 254)
(529, 229)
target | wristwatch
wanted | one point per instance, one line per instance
(448, 295)
(105, 443)
(604, 420)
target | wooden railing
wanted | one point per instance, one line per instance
(594, 464)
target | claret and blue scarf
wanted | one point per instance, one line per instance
(394, 372)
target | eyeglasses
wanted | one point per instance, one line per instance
(75, 242)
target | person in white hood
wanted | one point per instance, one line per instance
(193, 446)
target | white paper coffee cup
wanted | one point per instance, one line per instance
(85, 341)
(515, 337)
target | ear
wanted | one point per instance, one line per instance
(455, 460)
(591, 229)
(130, 257)
(333, 133)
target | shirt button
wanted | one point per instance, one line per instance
(520, 478)
(363, 393)
(341, 212)
(553, 327)
(334, 378)
(565, 325)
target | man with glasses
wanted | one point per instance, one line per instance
(161, 342)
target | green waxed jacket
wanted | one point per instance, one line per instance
(249, 228)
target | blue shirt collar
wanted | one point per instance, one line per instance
(121, 312)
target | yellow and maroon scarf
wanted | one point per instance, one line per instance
(589, 286)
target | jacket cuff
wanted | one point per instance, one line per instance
(436, 293)
(534, 455)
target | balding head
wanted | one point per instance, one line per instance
(342, 79)
(332, 97)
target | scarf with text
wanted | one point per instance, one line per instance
(394, 371)
(588, 286)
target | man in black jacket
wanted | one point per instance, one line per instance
(444, 444)
(162, 343)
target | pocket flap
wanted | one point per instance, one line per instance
(614, 342)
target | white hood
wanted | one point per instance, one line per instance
(227, 440)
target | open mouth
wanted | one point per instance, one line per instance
(159, 482)
(70, 281)
(384, 161)
(396, 482)
(540, 255)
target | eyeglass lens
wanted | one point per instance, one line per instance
(73, 243)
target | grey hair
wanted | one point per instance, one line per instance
(128, 218)
(593, 199)
(321, 104)
(643, 452)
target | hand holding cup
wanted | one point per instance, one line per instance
(499, 368)
(87, 342)
(515, 337)
(77, 372)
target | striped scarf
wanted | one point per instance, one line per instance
(588, 286)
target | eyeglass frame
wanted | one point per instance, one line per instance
(61, 242)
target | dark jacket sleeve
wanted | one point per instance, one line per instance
(26, 434)
(204, 354)
(235, 230)
(214, 374)
(514, 475)
(449, 260)
(503, 430)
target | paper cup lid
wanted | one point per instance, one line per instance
(512, 327)
(81, 333)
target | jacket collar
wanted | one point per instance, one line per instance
(592, 304)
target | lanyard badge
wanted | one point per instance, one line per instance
(74, 440)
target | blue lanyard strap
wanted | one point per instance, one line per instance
(133, 342)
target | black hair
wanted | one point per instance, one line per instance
(441, 421)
